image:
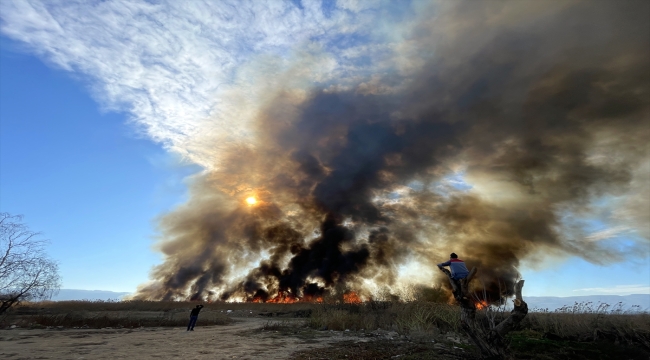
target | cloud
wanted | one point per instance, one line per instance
(607, 233)
(190, 72)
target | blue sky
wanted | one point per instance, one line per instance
(104, 116)
(81, 176)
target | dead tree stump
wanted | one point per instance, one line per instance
(490, 342)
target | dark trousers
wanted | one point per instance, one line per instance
(193, 319)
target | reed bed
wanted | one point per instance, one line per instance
(580, 322)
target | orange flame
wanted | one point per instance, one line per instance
(351, 298)
(481, 304)
(283, 298)
(309, 298)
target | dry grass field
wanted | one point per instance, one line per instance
(370, 330)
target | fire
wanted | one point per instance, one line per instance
(481, 304)
(351, 298)
(283, 298)
(318, 299)
(251, 200)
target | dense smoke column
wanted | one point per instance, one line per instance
(357, 167)
(545, 109)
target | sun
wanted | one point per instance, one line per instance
(251, 200)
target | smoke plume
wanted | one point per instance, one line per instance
(513, 123)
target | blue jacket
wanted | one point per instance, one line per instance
(457, 267)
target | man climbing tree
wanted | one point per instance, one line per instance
(491, 341)
(457, 266)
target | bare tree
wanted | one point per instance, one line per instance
(26, 273)
(491, 343)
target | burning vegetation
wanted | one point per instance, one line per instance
(495, 142)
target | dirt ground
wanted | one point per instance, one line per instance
(247, 338)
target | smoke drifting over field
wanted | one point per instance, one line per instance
(514, 121)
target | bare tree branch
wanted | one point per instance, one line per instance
(26, 273)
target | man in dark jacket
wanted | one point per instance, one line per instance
(457, 267)
(194, 315)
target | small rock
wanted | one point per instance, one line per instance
(454, 339)
(347, 330)
(13, 326)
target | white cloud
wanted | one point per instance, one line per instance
(618, 289)
(190, 71)
(608, 233)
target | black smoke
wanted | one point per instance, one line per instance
(542, 106)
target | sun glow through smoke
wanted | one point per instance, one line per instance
(251, 200)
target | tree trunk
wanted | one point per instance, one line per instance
(489, 341)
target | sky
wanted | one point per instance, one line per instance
(110, 111)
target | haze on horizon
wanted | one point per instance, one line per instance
(354, 145)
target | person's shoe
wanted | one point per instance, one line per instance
(191, 329)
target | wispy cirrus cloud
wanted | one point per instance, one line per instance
(188, 72)
(608, 233)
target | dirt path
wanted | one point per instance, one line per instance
(241, 340)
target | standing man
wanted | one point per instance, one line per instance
(457, 267)
(194, 315)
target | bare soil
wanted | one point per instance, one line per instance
(246, 338)
(240, 340)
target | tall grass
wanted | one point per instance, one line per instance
(579, 322)
(398, 316)
(413, 313)
(127, 320)
(101, 314)
(589, 321)
(122, 319)
(143, 305)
